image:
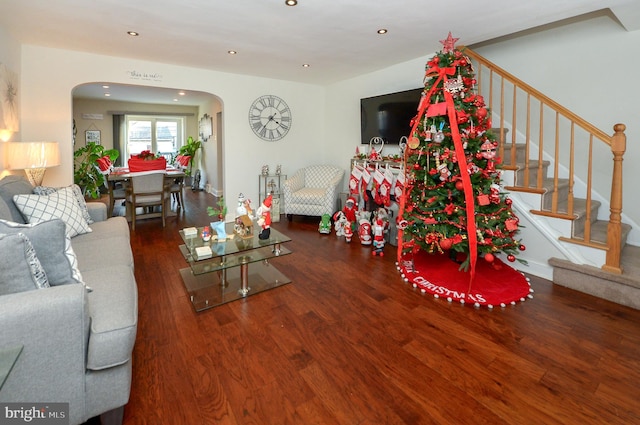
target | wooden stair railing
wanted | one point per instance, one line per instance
(568, 140)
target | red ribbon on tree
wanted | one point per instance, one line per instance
(467, 187)
(461, 160)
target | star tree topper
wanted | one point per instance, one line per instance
(449, 43)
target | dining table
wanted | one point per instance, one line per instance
(121, 175)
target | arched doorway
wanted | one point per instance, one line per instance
(103, 111)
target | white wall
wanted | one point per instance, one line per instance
(49, 75)
(211, 154)
(343, 107)
(10, 57)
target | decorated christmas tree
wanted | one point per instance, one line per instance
(452, 201)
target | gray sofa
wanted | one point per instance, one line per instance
(77, 340)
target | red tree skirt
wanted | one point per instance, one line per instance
(494, 284)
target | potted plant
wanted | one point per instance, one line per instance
(190, 149)
(86, 172)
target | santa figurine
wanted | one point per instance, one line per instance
(350, 211)
(364, 231)
(348, 233)
(378, 237)
(264, 218)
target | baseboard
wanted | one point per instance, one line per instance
(535, 268)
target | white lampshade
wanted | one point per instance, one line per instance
(33, 157)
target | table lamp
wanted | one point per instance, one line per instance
(32, 157)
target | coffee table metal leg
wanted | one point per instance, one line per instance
(276, 249)
(223, 278)
(244, 279)
(223, 274)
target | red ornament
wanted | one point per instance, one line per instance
(508, 201)
(449, 208)
(511, 224)
(489, 257)
(446, 244)
(459, 185)
(522, 247)
(483, 200)
(416, 166)
(481, 113)
(511, 258)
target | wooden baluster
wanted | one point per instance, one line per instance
(571, 170)
(587, 221)
(527, 145)
(556, 165)
(514, 126)
(541, 134)
(614, 229)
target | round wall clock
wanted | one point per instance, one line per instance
(270, 118)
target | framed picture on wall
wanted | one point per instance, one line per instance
(92, 136)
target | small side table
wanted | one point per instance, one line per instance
(272, 184)
(8, 358)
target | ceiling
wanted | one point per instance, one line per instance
(338, 39)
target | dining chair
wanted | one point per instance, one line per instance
(176, 190)
(117, 192)
(147, 190)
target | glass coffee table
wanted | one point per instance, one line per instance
(237, 267)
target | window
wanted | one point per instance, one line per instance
(160, 135)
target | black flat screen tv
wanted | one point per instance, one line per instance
(388, 115)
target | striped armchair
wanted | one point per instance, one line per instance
(312, 191)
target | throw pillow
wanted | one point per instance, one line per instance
(77, 192)
(20, 269)
(14, 185)
(60, 204)
(53, 248)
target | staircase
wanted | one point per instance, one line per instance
(547, 156)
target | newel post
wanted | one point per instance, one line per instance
(614, 231)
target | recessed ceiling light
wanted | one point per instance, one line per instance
(291, 2)
(382, 31)
(133, 33)
(305, 65)
(181, 93)
(105, 86)
(232, 52)
(175, 100)
(107, 94)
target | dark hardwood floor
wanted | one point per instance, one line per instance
(348, 342)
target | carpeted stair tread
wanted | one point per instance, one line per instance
(599, 232)
(630, 262)
(619, 288)
(579, 208)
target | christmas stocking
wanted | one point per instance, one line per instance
(398, 185)
(385, 187)
(354, 180)
(378, 179)
(366, 178)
